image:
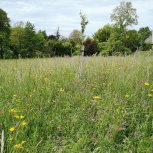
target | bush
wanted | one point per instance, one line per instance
(91, 47)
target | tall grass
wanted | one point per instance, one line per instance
(45, 108)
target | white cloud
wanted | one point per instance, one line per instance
(49, 14)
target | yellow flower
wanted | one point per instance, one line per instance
(150, 95)
(23, 123)
(12, 129)
(96, 97)
(19, 116)
(146, 83)
(13, 110)
(18, 146)
(127, 96)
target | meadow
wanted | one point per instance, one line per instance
(46, 106)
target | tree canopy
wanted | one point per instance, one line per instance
(124, 15)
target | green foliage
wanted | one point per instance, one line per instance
(29, 39)
(77, 49)
(103, 34)
(16, 38)
(84, 22)
(124, 15)
(145, 32)
(22, 40)
(132, 40)
(76, 37)
(4, 32)
(58, 48)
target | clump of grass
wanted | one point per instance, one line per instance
(44, 107)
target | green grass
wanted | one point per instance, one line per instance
(61, 113)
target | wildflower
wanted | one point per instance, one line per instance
(127, 96)
(96, 97)
(146, 83)
(13, 110)
(18, 146)
(23, 123)
(150, 95)
(12, 129)
(19, 116)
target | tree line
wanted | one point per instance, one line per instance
(23, 41)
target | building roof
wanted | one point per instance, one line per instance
(149, 40)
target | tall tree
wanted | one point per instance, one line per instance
(124, 15)
(16, 38)
(4, 32)
(29, 37)
(84, 22)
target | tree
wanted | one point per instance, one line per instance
(40, 42)
(4, 33)
(58, 34)
(103, 34)
(124, 15)
(76, 37)
(91, 47)
(132, 40)
(29, 38)
(84, 22)
(16, 38)
(145, 32)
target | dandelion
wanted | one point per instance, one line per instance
(150, 95)
(96, 97)
(23, 123)
(19, 116)
(12, 129)
(146, 83)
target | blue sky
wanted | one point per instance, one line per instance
(50, 14)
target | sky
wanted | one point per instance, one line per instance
(50, 14)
